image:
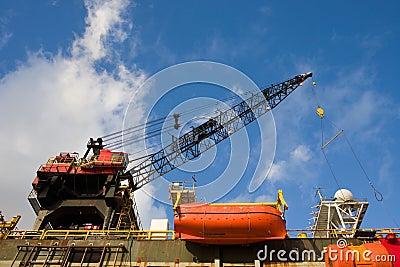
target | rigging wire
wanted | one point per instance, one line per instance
(135, 129)
(378, 195)
(321, 114)
(142, 150)
(119, 142)
(327, 160)
(171, 116)
(142, 157)
(131, 128)
(128, 141)
(134, 140)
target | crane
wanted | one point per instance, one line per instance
(97, 191)
(218, 128)
(201, 138)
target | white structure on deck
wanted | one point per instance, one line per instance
(160, 227)
(180, 194)
(338, 217)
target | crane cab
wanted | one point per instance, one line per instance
(69, 191)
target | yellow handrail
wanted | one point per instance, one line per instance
(153, 235)
(91, 234)
(348, 232)
(281, 203)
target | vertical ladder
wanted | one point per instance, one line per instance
(129, 216)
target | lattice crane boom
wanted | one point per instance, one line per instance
(201, 138)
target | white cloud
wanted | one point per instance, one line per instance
(146, 207)
(301, 153)
(265, 10)
(104, 25)
(278, 171)
(4, 37)
(5, 34)
(299, 164)
(54, 103)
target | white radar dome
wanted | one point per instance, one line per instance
(343, 195)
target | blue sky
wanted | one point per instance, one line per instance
(69, 68)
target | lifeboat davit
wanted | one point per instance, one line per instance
(229, 223)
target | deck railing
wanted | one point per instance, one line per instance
(90, 234)
(169, 234)
(336, 233)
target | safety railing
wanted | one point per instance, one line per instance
(335, 233)
(167, 234)
(90, 234)
(107, 160)
(104, 161)
(57, 165)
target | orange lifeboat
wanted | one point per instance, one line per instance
(230, 223)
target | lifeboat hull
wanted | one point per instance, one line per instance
(241, 223)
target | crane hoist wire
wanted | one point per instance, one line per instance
(219, 127)
(119, 144)
(378, 195)
(139, 137)
(135, 134)
(321, 113)
(141, 126)
(133, 129)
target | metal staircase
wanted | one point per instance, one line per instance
(336, 217)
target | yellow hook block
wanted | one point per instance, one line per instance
(320, 112)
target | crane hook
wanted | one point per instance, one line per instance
(320, 112)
